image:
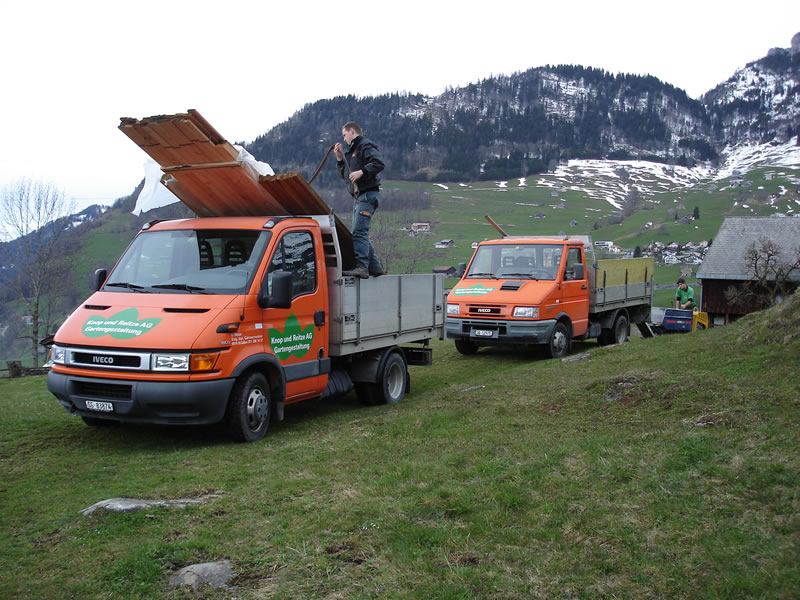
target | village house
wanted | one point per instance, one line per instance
(445, 244)
(725, 265)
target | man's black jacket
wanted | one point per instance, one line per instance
(365, 156)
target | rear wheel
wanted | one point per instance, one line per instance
(621, 330)
(466, 347)
(559, 341)
(390, 386)
(617, 334)
(249, 408)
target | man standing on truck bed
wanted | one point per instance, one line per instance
(360, 166)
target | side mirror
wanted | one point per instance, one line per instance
(462, 267)
(100, 276)
(577, 268)
(281, 296)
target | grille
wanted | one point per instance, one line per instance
(478, 309)
(106, 360)
(101, 390)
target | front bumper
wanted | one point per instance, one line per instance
(502, 331)
(160, 402)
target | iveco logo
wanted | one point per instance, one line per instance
(108, 360)
(484, 310)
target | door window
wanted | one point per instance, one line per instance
(295, 254)
(573, 258)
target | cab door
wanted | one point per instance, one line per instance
(575, 292)
(298, 336)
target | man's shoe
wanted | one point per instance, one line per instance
(376, 273)
(357, 272)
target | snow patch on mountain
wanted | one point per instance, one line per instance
(612, 180)
(740, 159)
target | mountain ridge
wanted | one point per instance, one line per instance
(525, 123)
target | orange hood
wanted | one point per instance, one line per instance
(501, 291)
(134, 320)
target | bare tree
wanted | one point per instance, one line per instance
(417, 251)
(385, 235)
(770, 272)
(33, 214)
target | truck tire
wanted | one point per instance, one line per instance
(390, 386)
(249, 408)
(559, 341)
(95, 422)
(466, 347)
(617, 334)
(621, 329)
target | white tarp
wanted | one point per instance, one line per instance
(156, 194)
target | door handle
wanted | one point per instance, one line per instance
(583, 287)
(319, 318)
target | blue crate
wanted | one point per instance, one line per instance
(676, 319)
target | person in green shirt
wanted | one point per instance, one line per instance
(684, 295)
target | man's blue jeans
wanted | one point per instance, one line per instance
(363, 210)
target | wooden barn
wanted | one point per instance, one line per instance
(726, 265)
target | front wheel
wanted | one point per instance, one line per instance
(95, 422)
(559, 341)
(466, 347)
(249, 408)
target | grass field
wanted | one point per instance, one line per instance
(661, 468)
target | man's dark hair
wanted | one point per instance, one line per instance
(352, 125)
(681, 280)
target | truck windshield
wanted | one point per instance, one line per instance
(190, 262)
(516, 261)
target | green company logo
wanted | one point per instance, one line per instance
(473, 290)
(293, 340)
(121, 326)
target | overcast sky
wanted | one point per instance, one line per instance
(70, 70)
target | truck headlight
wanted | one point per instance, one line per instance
(453, 309)
(58, 355)
(526, 312)
(170, 362)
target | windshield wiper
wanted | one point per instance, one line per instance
(179, 286)
(485, 275)
(130, 286)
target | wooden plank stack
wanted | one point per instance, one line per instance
(208, 175)
(211, 180)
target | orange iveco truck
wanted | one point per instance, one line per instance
(227, 319)
(230, 316)
(546, 291)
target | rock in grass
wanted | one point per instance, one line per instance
(216, 574)
(132, 504)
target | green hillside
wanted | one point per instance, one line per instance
(457, 213)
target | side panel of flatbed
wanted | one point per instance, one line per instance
(621, 282)
(382, 311)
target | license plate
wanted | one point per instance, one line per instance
(101, 406)
(483, 332)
